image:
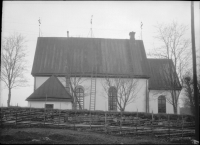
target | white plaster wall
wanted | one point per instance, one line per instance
(139, 102)
(102, 97)
(153, 101)
(39, 81)
(57, 105)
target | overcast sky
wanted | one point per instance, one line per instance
(111, 19)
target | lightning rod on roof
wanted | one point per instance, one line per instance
(39, 26)
(141, 30)
(91, 27)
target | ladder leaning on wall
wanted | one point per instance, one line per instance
(93, 78)
(93, 90)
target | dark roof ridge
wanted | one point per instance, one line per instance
(87, 38)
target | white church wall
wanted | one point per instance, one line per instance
(57, 105)
(39, 81)
(140, 100)
(153, 101)
(101, 95)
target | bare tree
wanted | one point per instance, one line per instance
(175, 47)
(72, 82)
(126, 90)
(189, 100)
(13, 63)
(171, 80)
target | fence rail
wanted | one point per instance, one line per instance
(110, 122)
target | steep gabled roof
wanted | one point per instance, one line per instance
(117, 57)
(159, 75)
(52, 89)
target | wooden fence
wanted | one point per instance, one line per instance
(117, 123)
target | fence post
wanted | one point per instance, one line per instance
(74, 120)
(132, 124)
(169, 126)
(182, 130)
(105, 123)
(44, 115)
(90, 119)
(30, 116)
(121, 122)
(16, 118)
(136, 122)
(59, 117)
(151, 121)
(1, 116)
(53, 117)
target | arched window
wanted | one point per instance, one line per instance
(80, 97)
(161, 104)
(112, 99)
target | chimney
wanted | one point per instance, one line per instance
(132, 35)
(67, 33)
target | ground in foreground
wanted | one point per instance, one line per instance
(65, 136)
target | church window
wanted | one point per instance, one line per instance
(112, 99)
(161, 104)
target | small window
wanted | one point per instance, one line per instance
(161, 104)
(112, 99)
(49, 106)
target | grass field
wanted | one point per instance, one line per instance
(64, 136)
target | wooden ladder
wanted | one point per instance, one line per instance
(93, 91)
(81, 101)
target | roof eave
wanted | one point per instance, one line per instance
(53, 99)
(159, 88)
(89, 75)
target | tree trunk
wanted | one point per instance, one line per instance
(175, 109)
(122, 109)
(9, 97)
(174, 103)
(192, 107)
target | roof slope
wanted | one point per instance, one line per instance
(118, 57)
(52, 89)
(159, 75)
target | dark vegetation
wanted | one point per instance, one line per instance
(28, 125)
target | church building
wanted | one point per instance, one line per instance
(101, 74)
